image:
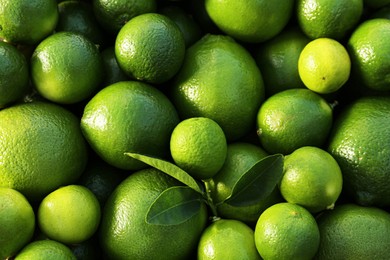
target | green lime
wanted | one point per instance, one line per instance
(198, 146)
(129, 116)
(17, 222)
(150, 47)
(293, 118)
(112, 72)
(227, 239)
(354, 232)
(287, 231)
(42, 148)
(219, 80)
(124, 232)
(46, 249)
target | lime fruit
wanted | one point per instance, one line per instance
(113, 15)
(70, 214)
(17, 222)
(220, 80)
(198, 146)
(150, 47)
(351, 231)
(129, 116)
(278, 58)
(312, 178)
(328, 18)
(125, 233)
(324, 65)
(27, 21)
(252, 20)
(227, 239)
(358, 143)
(285, 118)
(12, 62)
(287, 231)
(66, 68)
(369, 49)
(241, 156)
(112, 72)
(46, 249)
(42, 148)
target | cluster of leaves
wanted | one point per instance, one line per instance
(179, 203)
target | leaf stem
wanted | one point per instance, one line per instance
(209, 199)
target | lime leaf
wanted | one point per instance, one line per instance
(258, 182)
(174, 205)
(169, 168)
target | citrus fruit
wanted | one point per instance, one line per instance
(78, 16)
(112, 72)
(125, 233)
(351, 231)
(45, 249)
(219, 79)
(188, 26)
(250, 21)
(383, 12)
(293, 118)
(129, 116)
(42, 148)
(286, 231)
(112, 15)
(66, 68)
(324, 65)
(70, 214)
(312, 178)
(150, 47)
(227, 239)
(358, 143)
(27, 21)
(12, 62)
(241, 156)
(198, 146)
(328, 18)
(17, 222)
(278, 58)
(369, 49)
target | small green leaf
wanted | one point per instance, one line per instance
(169, 168)
(258, 182)
(175, 205)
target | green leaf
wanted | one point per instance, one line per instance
(174, 205)
(258, 182)
(169, 168)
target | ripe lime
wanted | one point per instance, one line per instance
(198, 146)
(124, 232)
(27, 21)
(112, 15)
(312, 178)
(369, 49)
(251, 20)
(287, 231)
(219, 80)
(112, 72)
(150, 47)
(12, 62)
(358, 143)
(227, 239)
(70, 214)
(284, 121)
(17, 222)
(354, 232)
(46, 249)
(278, 58)
(41, 148)
(66, 68)
(324, 65)
(241, 156)
(129, 116)
(328, 18)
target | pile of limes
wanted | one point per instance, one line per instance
(194, 129)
